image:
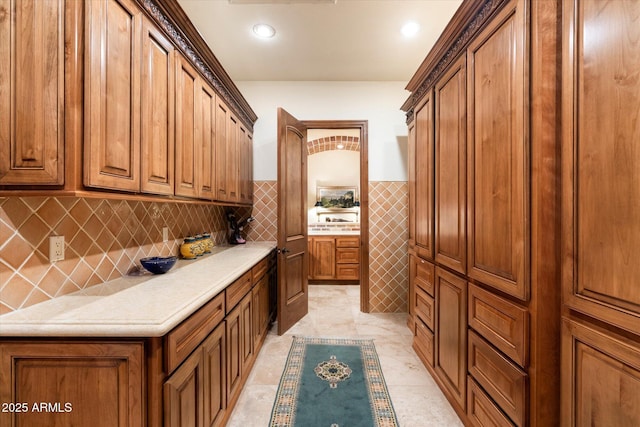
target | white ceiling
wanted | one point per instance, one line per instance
(320, 40)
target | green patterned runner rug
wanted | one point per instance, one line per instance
(332, 383)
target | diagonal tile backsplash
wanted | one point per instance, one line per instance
(104, 239)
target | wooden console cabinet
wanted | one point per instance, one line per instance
(120, 104)
(334, 257)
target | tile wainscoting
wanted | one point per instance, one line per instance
(388, 234)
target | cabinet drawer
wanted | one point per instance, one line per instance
(185, 337)
(347, 242)
(425, 308)
(423, 342)
(503, 381)
(237, 290)
(259, 270)
(481, 410)
(347, 255)
(348, 271)
(425, 272)
(500, 322)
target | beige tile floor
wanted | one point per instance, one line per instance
(334, 311)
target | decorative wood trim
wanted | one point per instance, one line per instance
(470, 18)
(172, 19)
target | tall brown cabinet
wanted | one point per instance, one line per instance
(524, 140)
(601, 213)
(484, 219)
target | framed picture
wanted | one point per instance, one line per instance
(336, 197)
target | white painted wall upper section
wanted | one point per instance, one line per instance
(377, 102)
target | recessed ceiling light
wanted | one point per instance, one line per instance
(340, 146)
(410, 29)
(264, 31)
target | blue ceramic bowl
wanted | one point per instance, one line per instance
(158, 265)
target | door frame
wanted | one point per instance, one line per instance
(363, 126)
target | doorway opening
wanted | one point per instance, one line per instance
(333, 201)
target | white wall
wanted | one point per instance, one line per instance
(377, 102)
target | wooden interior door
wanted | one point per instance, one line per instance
(293, 260)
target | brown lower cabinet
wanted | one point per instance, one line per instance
(190, 377)
(334, 257)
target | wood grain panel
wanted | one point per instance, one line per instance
(185, 337)
(501, 379)
(222, 131)
(451, 334)
(32, 92)
(450, 168)
(500, 322)
(423, 342)
(347, 242)
(347, 271)
(347, 255)
(425, 308)
(481, 410)
(234, 353)
(425, 276)
(424, 178)
(246, 323)
(214, 378)
(103, 383)
(188, 152)
(323, 258)
(601, 160)
(205, 140)
(497, 154)
(183, 394)
(600, 377)
(112, 95)
(237, 290)
(233, 169)
(157, 102)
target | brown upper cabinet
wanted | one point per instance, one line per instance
(32, 92)
(157, 130)
(116, 101)
(112, 95)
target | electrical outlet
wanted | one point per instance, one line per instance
(56, 248)
(165, 234)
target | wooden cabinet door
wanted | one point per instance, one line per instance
(324, 258)
(450, 168)
(157, 134)
(205, 140)
(497, 152)
(411, 177)
(215, 368)
(188, 151)
(424, 178)
(112, 94)
(600, 377)
(32, 92)
(234, 353)
(601, 161)
(94, 384)
(246, 326)
(260, 310)
(184, 394)
(451, 334)
(222, 132)
(233, 169)
(245, 153)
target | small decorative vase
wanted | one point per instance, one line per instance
(208, 243)
(199, 246)
(188, 249)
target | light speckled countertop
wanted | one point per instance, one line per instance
(137, 306)
(334, 233)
